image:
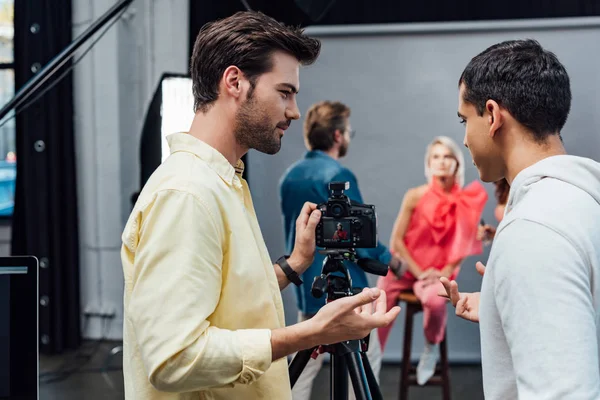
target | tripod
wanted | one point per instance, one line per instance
(347, 357)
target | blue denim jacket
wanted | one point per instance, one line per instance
(308, 180)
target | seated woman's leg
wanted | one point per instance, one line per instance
(392, 286)
(434, 325)
(434, 310)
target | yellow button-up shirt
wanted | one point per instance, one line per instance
(201, 295)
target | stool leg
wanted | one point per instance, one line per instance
(408, 329)
(445, 368)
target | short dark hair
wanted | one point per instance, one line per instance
(526, 80)
(247, 40)
(321, 122)
(502, 190)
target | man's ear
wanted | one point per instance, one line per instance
(232, 81)
(338, 136)
(494, 116)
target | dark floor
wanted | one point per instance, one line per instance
(92, 374)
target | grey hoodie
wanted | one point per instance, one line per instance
(540, 298)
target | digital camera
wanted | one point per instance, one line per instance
(344, 223)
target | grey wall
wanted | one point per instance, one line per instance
(401, 83)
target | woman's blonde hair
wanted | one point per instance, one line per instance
(459, 174)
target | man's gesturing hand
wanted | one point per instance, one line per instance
(304, 247)
(466, 304)
(353, 317)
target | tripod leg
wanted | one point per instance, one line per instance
(373, 386)
(339, 378)
(298, 363)
(358, 376)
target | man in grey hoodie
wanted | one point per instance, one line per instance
(539, 306)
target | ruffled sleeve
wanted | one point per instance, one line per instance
(468, 214)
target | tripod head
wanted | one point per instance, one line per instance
(348, 357)
(337, 286)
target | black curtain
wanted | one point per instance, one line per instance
(45, 217)
(151, 140)
(296, 12)
(393, 11)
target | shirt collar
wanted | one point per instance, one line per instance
(216, 161)
(319, 154)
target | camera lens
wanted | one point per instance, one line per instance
(337, 210)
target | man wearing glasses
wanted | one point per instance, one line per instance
(327, 135)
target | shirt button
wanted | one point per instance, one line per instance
(246, 377)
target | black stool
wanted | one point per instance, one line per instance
(408, 375)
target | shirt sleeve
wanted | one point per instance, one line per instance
(544, 298)
(380, 252)
(176, 287)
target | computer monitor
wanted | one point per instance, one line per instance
(19, 349)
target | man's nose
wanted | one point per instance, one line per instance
(292, 112)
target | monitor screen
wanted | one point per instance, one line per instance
(19, 350)
(177, 109)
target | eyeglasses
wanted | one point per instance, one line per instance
(352, 133)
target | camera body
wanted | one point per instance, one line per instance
(345, 224)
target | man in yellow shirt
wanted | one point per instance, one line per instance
(203, 310)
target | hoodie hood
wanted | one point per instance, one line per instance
(580, 172)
